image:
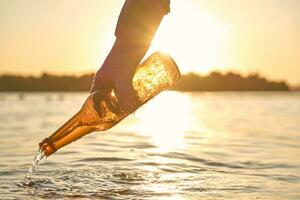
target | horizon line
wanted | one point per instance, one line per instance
(83, 73)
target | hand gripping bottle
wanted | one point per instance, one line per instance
(101, 109)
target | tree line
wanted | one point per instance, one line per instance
(190, 82)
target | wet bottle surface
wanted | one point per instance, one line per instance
(101, 109)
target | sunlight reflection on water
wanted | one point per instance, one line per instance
(165, 120)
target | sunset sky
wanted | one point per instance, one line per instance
(74, 36)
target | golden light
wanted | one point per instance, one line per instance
(165, 119)
(194, 38)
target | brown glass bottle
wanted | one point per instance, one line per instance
(101, 109)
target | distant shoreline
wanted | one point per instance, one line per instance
(214, 82)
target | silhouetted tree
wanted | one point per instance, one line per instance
(189, 82)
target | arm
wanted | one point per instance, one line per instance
(136, 27)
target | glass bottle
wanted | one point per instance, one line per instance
(101, 109)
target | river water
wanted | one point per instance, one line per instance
(178, 146)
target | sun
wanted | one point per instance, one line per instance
(192, 37)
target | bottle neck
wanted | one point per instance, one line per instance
(47, 147)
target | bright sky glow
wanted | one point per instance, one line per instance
(74, 36)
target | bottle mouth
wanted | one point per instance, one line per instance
(47, 147)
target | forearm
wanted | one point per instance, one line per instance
(137, 24)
